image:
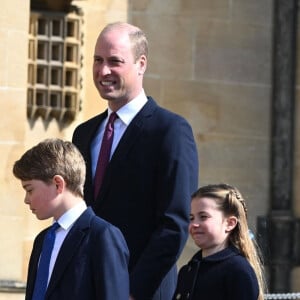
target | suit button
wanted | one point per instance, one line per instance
(178, 296)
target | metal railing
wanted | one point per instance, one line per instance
(283, 296)
(12, 286)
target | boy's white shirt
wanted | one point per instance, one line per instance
(66, 222)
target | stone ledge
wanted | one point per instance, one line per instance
(12, 286)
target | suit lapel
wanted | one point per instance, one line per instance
(70, 247)
(33, 265)
(86, 140)
(134, 130)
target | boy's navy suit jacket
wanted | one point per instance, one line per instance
(92, 263)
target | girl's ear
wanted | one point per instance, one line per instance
(59, 182)
(231, 223)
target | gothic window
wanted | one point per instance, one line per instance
(54, 63)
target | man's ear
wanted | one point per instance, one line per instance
(231, 223)
(142, 61)
(59, 183)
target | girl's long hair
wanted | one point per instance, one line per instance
(231, 203)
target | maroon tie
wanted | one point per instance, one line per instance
(104, 155)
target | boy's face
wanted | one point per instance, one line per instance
(41, 197)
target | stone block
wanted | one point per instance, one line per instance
(170, 45)
(11, 247)
(13, 114)
(233, 52)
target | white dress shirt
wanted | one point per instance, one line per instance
(66, 222)
(126, 113)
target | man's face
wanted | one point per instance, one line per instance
(117, 75)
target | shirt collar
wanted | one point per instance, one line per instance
(69, 217)
(127, 112)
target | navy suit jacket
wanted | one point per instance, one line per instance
(91, 264)
(146, 193)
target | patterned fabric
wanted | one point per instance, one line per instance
(104, 154)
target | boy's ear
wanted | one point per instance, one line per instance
(59, 182)
(231, 223)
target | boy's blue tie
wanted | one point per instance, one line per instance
(41, 280)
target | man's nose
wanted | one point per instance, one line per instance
(103, 70)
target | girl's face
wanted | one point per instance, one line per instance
(208, 227)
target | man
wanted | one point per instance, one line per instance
(153, 168)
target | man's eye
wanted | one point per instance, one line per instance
(115, 62)
(97, 59)
(191, 218)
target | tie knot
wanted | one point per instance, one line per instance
(54, 227)
(113, 116)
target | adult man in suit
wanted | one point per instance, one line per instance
(90, 257)
(153, 168)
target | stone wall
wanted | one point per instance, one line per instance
(210, 61)
(13, 78)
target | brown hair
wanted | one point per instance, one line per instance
(231, 202)
(137, 37)
(53, 157)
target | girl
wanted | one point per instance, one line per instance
(228, 266)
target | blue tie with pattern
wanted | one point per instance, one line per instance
(41, 280)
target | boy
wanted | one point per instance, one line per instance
(89, 259)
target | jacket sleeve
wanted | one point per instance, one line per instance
(177, 179)
(111, 265)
